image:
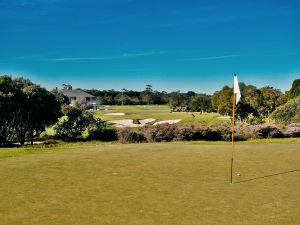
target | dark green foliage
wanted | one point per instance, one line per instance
(98, 131)
(103, 134)
(255, 102)
(222, 101)
(200, 103)
(177, 101)
(9, 95)
(26, 110)
(129, 97)
(75, 122)
(288, 113)
(295, 90)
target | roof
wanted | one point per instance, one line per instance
(75, 93)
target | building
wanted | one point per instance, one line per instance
(80, 97)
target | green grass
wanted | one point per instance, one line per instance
(158, 112)
(156, 183)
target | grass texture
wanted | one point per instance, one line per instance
(152, 183)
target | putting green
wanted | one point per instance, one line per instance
(159, 183)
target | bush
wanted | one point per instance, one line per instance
(126, 135)
(288, 113)
(102, 134)
(184, 133)
(160, 132)
(220, 132)
(75, 122)
(292, 130)
(259, 131)
(269, 131)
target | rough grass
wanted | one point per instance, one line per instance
(159, 112)
(159, 183)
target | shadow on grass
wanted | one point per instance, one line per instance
(267, 176)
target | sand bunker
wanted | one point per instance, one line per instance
(223, 117)
(129, 122)
(115, 114)
(168, 121)
(145, 121)
(124, 123)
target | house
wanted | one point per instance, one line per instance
(81, 97)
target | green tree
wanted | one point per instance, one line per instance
(288, 113)
(176, 101)
(75, 121)
(222, 101)
(201, 103)
(9, 96)
(295, 90)
(27, 109)
(36, 109)
(270, 100)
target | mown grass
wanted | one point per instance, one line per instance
(159, 112)
(153, 183)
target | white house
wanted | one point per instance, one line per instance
(80, 96)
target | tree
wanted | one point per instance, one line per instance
(9, 96)
(37, 110)
(270, 97)
(200, 103)
(147, 94)
(60, 97)
(27, 109)
(295, 90)
(288, 113)
(75, 121)
(222, 100)
(176, 101)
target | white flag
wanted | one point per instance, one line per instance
(236, 89)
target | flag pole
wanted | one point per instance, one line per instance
(232, 137)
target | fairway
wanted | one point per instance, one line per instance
(156, 183)
(158, 112)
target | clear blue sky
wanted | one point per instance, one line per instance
(173, 45)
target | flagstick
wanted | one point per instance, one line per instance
(232, 138)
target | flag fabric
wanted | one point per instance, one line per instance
(236, 89)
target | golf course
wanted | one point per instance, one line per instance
(157, 113)
(151, 183)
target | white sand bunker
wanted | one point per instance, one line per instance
(115, 114)
(124, 123)
(145, 121)
(168, 121)
(223, 117)
(129, 122)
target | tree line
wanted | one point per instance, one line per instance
(178, 101)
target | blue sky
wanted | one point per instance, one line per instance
(173, 45)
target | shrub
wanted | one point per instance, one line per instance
(160, 132)
(102, 134)
(75, 122)
(259, 131)
(292, 130)
(220, 132)
(126, 135)
(184, 133)
(269, 131)
(288, 113)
